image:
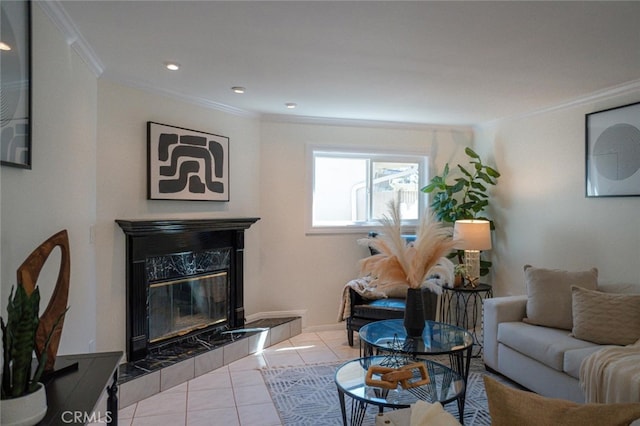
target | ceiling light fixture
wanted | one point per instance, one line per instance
(172, 66)
(290, 105)
(4, 46)
(238, 89)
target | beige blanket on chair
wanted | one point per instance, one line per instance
(363, 287)
(612, 374)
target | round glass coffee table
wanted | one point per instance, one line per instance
(438, 338)
(444, 386)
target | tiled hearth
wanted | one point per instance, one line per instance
(173, 366)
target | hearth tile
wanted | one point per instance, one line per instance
(295, 327)
(162, 404)
(222, 416)
(138, 389)
(280, 333)
(209, 399)
(259, 341)
(259, 414)
(177, 374)
(236, 350)
(209, 361)
(214, 380)
(248, 395)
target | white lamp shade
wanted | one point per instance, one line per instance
(472, 234)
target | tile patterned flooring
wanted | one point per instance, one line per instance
(236, 395)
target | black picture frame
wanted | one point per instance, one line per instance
(612, 147)
(15, 87)
(186, 164)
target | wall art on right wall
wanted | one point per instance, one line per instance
(613, 152)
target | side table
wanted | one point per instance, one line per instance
(462, 306)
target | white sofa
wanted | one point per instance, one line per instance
(543, 359)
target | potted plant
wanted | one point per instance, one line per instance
(23, 400)
(463, 196)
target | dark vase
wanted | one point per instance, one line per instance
(414, 313)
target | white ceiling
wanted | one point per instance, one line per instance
(454, 63)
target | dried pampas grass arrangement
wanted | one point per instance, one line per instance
(399, 263)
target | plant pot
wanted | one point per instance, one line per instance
(414, 313)
(25, 410)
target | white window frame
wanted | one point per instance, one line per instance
(357, 152)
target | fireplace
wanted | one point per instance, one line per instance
(184, 278)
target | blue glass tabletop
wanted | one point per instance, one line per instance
(437, 337)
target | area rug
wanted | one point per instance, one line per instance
(307, 396)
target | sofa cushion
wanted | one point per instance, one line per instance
(544, 344)
(573, 359)
(509, 406)
(606, 318)
(549, 294)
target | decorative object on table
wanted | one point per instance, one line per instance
(390, 377)
(465, 197)
(50, 326)
(459, 271)
(613, 152)
(185, 164)
(414, 312)
(403, 265)
(472, 236)
(15, 78)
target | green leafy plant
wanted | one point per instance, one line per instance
(19, 341)
(463, 196)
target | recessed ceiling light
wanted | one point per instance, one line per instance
(172, 66)
(290, 105)
(4, 46)
(238, 89)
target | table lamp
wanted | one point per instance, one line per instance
(472, 236)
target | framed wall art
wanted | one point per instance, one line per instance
(613, 152)
(185, 164)
(15, 83)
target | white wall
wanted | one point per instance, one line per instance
(542, 215)
(60, 191)
(123, 113)
(302, 272)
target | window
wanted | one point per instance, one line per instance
(352, 189)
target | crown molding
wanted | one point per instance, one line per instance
(56, 13)
(352, 122)
(593, 97)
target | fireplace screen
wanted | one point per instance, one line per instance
(180, 306)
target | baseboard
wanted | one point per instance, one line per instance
(302, 313)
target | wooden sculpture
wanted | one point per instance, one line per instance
(53, 316)
(389, 377)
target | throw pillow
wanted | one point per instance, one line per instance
(549, 294)
(509, 406)
(606, 318)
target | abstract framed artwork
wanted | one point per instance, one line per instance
(185, 164)
(15, 83)
(613, 152)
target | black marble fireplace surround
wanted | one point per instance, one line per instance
(172, 250)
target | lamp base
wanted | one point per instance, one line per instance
(472, 266)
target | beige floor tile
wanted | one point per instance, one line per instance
(259, 414)
(179, 388)
(284, 359)
(314, 357)
(214, 380)
(247, 395)
(127, 412)
(210, 399)
(305, 338)
(161, 404)
(246, 378)
(220, 416)
(250, 362)
(166, 419)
